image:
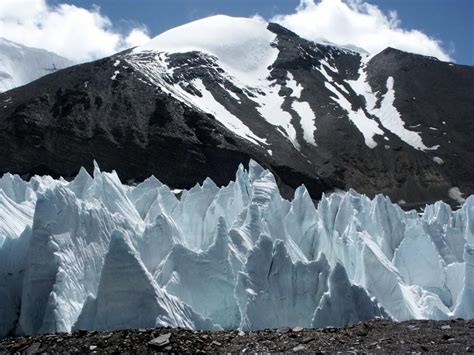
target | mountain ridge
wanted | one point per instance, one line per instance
(133, 102)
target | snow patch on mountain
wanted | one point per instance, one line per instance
(211, 105)
(387, 113)
(366, 125)
(159, 73)
(270, 108)
(295, 87)
(307, 120)
(391, 120)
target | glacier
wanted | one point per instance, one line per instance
(94, 253)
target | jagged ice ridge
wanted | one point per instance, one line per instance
(94, 253)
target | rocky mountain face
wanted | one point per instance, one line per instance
(20, 65)
(200, 99)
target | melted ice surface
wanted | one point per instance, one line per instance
(94, 253)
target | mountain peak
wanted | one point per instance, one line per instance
(239, 43)
(279, 29)
(229, 89)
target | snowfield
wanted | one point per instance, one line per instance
(94, 253)
(20, 65)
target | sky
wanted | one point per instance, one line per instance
(89, 29)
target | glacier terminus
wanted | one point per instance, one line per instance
(94, 253)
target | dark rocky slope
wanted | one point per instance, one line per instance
(63, 121)
(456, 336)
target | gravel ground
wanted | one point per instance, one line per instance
(455, 336)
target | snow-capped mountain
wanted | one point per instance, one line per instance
(20, 65)
(94, 253)
(200, 99)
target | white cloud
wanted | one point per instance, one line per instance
(136, 37)
(358, 23)
(73, 32)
